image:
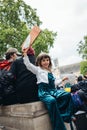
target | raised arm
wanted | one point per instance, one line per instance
(28, 64)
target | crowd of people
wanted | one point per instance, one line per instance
(33, 80)
(78, 91)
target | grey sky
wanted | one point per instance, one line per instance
(69, 19)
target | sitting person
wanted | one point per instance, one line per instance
(58, 102)
(25, 81)
(10, 55)
(7, 90)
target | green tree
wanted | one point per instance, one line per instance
(82, 48)
(44, 42)
(83, 67)
(16, 21)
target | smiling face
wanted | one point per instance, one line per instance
(45, 63)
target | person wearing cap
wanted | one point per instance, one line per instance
(25, 81)
(10, 55)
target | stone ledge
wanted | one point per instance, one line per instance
(30, 116)
(25, 110)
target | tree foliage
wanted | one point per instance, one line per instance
(44, 42)
(16, 20)
(83, 67)
(82, 48)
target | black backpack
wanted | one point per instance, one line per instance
(6, 83)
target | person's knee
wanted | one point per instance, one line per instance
(52, 101)
(49, 100)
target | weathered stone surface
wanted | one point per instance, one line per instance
(31, 116)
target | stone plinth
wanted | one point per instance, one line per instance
(30, 116)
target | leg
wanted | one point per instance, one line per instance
(54, 113)
(65, 104)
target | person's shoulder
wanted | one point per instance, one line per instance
(18, 60)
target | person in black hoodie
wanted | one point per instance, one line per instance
(7, 90)
(25, 81)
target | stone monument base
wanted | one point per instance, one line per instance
(30, 116)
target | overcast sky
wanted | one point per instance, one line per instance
(69, 19)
